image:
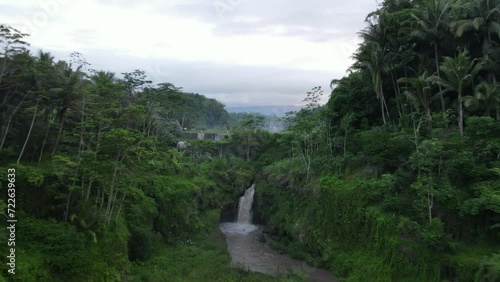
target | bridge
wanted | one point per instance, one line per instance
(206, 136)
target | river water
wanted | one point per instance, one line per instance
(246, 250)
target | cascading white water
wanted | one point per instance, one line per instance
(246, 248)
(245, 206)
(243, 225)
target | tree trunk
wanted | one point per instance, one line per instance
(460, 114)
(111, 190)
(436, 61)
(98, 140)
(88, 189)
(150, 125)
(58, 137)
(102, 201)
(148, 115)
(82, 118)
(398, 95)
(4, 135)
(112, 207)
(305, 153)
(96, 199)
(382, 110)
(383, 99)
(83, 184)
(66, 212)
(382, 105)
(29, 132)
(328, 138)
(44, 142)
(120, 208)
(430, 203)
(428, 112)
(430, 199)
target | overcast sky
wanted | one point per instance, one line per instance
(241, 52)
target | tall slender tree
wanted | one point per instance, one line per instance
(370, 57)
(420, 91)
(432, 17)
(458, 73)
(479, 16)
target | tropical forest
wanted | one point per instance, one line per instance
(104, 176)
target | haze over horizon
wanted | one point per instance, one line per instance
(242, 53)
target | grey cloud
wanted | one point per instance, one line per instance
(84, 37)
(231, 84)
(204, 10)
(320, 20)
(10, 10)
(305, 32)
(316, 21)
(120, 3)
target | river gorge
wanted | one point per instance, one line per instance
(248, 249)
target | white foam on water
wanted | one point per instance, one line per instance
(239, 228)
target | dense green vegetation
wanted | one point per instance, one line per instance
(397, 178)
(201, 259)
(101, 192)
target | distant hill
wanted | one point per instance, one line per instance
(278, 111)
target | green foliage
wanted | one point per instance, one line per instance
(286, 172)
(368, 245)
(487, 197)
(377, 185)
(394, 209)
(25, 174)
(249, 138)
(99, 182)
(489, 269)
(65, 252)
(352, 94)
(199, 258)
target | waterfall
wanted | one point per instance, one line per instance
(245, 206)
(244, 223)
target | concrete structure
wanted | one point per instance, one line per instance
(182, 145)
(206, 136)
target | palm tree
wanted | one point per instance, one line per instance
(44, 84)
(370, 57)
(376, 31)
(486, 96)
(481, 16)
(432, 23)
(458, 74)
(45, 76)
(71, 81)
(420, 91)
